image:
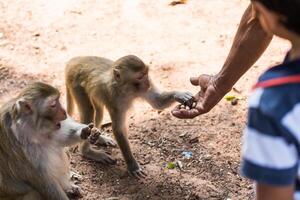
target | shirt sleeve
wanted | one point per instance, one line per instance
(267, 156)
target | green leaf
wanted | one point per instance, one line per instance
(171, 165)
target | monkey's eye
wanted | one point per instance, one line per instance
(140, 77)
(53, 104)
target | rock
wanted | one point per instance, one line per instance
(234, 101)
(194, 140)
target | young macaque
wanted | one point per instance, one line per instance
(95, 82)
(34, 129)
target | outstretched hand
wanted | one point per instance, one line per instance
(208, 96)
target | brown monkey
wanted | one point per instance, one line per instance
(95, 82)
(34, 129)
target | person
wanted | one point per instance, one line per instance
(271, 149)
(249, 43)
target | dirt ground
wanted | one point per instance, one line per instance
(37, 38)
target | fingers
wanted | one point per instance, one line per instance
(91, 125)
(106, 159)
(185, 114)
(194, 81)
(85, 132)
(204, 80)
(111, 143)
(138, 174)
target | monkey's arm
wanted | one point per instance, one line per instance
(161, 100)
(47, 186)
(71, 132)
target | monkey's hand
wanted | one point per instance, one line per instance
(105, 140)
(86, 131)
(136, 171)
(185, 98)
(74, 192)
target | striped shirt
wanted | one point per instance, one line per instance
(271, 147)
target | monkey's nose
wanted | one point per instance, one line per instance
(58, 125)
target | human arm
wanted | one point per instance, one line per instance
(267, 192)
(249, 43)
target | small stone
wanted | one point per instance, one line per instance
(194, 140)
(234, 101)
(182, 135)
(36, 34)
(179, 164)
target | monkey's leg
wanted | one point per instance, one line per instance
(32, 196)
(96, 155)
(84, 104)
(70, 101)
(98, 108)
(119, 130)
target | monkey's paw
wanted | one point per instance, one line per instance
(75, 176)
(185, 98)
(136, 171)
(74, 192)
(104, 158)
(86, 131)
(104, 140)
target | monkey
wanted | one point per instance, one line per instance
(34, 130)
(93, 83)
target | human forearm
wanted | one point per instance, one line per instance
(249, 43)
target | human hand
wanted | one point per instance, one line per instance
(206, 98)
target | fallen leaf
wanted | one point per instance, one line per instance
(171, 165)
(174, 3)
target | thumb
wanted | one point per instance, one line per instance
(204, 81)
(194, 81)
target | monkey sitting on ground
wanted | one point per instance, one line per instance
(95, 82)
(34, 129)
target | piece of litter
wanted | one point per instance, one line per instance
(174, 3)
(187, 154)
(179, 164)
(229, 97)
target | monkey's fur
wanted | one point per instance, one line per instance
(33, 163)
(95, 82)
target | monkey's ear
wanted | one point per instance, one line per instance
(117, 74)
(23, 106)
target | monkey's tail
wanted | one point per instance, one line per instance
(70, 102)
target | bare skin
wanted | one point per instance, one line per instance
(249, 44)
(267, 192)
(95, 82)
(34, 130)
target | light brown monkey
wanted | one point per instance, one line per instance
(95, 82)
(34, 129)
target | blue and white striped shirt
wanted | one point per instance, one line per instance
(271, 149)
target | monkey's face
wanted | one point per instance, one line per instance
(43, 115)
(53, 111)
(140, 80)
(135, 81)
